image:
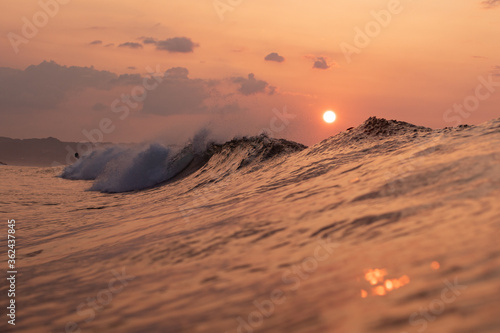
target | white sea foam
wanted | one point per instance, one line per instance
(121, 169)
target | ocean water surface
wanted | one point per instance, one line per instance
(388, 227)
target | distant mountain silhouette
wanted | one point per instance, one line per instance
(38, 152)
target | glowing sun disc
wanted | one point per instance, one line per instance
(329, 117)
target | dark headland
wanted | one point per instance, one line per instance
(36, 152)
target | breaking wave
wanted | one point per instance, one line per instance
(126, 168)
(122, 169)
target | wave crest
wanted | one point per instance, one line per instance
(122, 169)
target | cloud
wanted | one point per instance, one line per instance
(99, 107)
(96, 42)
(229, 108)
(177, 44)
(239, 50)
(110, 44)
(46, 85)
(149, 40)
(127, 80)
(131, 45)
(274, 57)
(178, 94)
(320, 63)
(495, 71)
(50, 99)
(489, 4)
(132, 67)
(250, 85)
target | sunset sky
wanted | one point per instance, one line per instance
(63, 72)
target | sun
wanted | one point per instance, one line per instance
(329, 116)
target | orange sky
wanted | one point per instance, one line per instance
(425, 60)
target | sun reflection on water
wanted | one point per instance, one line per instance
(381, 285)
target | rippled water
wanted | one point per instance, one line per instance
(385, 228)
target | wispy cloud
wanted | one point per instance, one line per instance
(489, 4)
(177, 44)
(496, 71)
(131, 45)
(148, 40)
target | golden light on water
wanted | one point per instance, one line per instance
(329, 116)
(379, 291)
(381, 286)
(375, 276)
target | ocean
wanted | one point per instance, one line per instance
(386, 227)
